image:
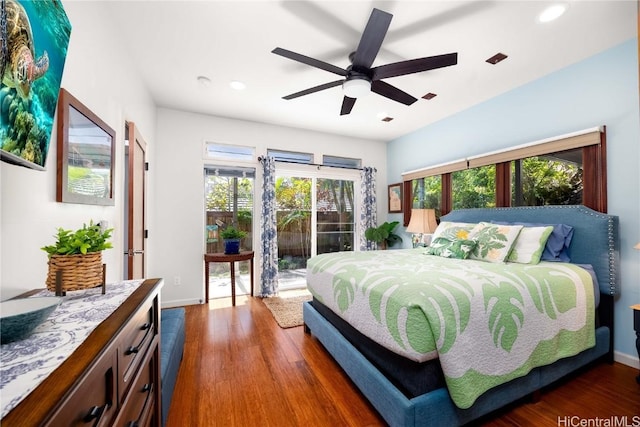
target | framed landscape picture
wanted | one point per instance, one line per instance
(395, 198)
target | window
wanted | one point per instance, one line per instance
(315, 215)
(569, 169)
(474, 188)
(214, 150)
(341, 162)
(290, 156)
(228, 200)
(427, 193)
(554, 179)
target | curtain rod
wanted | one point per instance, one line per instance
(261, 158)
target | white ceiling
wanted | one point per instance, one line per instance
(174, 42)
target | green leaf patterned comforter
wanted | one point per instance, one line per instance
(487, 323)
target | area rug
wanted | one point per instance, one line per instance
(287, 311)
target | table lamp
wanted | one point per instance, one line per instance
(422, 224)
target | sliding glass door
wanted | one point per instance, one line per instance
(315, 216)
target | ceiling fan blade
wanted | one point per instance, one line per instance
(392, 92)
(414, 66)
(371, 39)
(310, 61)
(322, 20)
(313, 89)
(347, 105)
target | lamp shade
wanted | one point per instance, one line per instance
(637, 246)
(422, 221)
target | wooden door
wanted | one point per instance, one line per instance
(136, 204)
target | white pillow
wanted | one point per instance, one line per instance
(530, 245)
(453, 230)
(494, 241)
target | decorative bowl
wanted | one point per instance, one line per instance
(19, 317)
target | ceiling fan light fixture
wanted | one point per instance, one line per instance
(356, 88)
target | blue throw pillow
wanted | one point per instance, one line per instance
(557, 247)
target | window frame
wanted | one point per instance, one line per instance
(594, 157)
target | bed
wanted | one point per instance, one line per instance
(413, 388)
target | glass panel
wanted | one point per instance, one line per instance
(427, 193)
(474, 188)
(341, 162)
(290, 156)
(229, 152)
(293, 203)
(554, 179)
(334, 214)
(228, 200)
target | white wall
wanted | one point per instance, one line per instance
(177, 218)
(96, 73)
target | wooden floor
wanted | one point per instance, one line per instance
(241, 369)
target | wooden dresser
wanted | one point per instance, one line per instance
(113, 378)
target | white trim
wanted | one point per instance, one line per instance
(626, 359)
(538, 142)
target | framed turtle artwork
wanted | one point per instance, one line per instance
(34, 37)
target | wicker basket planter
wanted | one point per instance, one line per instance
(78, 271)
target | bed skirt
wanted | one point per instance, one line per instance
(435, 408)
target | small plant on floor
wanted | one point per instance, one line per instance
(383, 234)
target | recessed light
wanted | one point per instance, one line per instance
(497, 58)
(237, 85)
(204, 81)
(552, 13)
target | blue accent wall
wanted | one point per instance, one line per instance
(600, 90)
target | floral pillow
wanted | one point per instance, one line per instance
(453, 230)
(530, 244)
(494, 241)
(459, 248)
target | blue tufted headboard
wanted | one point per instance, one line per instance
(595, 238)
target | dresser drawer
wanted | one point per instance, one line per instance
(133, 344)
(94, 401)
(138, 407)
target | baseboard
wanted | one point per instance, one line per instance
(626, 359)
(179, 303)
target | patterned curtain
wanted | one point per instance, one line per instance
(269, 233)
(368, 207)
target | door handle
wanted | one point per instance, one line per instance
(131, 252)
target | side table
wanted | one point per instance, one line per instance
(636, 327)
(231, 259)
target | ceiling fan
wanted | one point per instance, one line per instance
(359, 77)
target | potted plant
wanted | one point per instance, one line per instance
(383, 234)
(232, 236)
(77, 255)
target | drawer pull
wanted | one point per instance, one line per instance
(147, 388)
(95, 413)
(134, 350)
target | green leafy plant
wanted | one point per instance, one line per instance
(89, 238)
(383, 234)
(231, 232)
